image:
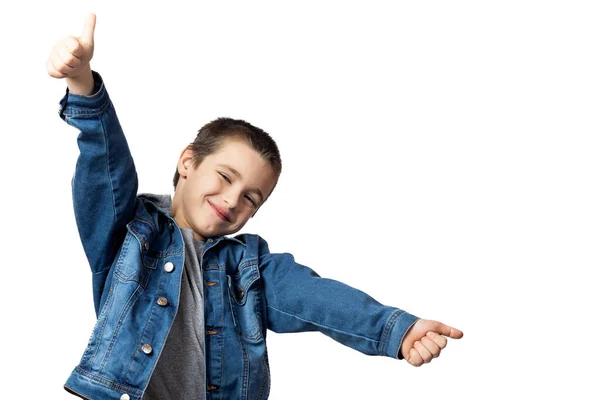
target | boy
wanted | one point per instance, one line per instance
(182, 310)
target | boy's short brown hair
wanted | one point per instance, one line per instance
(212, 135)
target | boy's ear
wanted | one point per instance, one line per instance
(185, 162)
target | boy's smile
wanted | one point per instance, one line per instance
(224, 215)
(223, 192)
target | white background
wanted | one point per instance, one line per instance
(441, 156)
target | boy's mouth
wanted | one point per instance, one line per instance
(221, 213)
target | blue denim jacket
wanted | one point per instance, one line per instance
(136, 252)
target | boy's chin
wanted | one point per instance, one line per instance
(217, 232)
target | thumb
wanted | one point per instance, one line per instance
(448, 331)
(87, 38)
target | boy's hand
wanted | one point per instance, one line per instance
(70, 58)
(424, 341)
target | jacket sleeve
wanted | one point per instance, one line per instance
(104, 185)
(299, 300)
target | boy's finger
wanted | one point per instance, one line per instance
(415, 358)
(448, 331)
(73, 46)
(438, 339)
(430, 345)
(423, 352)
(88, 30)
(59, 64)
(52, 70)
(68, 58)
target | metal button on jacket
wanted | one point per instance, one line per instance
(125, 396)
(169, 266)
(162, 301)
(147, 348)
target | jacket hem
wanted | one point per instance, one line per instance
(89, 386)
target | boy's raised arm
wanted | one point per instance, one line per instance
(105, 183)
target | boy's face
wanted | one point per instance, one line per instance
(214, 200)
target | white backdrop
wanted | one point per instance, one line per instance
(442, 156)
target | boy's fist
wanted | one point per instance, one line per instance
(70, 57)
(425, 340)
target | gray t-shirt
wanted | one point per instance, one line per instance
(180, 371)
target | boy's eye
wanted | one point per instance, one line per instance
(225, 177)
(251, 201)
(247, 197)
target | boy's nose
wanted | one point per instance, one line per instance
(230, 200)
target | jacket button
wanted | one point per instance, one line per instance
(211, 332)
(170, 225)
(147, 348)
(169, 266)
(162, 301)
(124, 396)
(210, 240)
(210, 388)
(145, 246)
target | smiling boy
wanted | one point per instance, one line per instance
(217, 204)
(183, 310)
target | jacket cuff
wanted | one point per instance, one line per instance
(79, 104)
(396, 328)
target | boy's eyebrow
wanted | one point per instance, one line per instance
(233, 171)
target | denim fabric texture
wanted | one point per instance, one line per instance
(136, 253)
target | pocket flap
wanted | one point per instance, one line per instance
(241, 281)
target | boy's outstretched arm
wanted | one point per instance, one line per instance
(104, 185)
(424, 341)
(299, 300)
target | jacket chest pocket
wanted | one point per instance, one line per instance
(245, 300)
(134, 261)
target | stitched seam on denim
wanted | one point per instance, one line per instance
(125, 311)
(107, 157)
(255, 278)
(255, 336)
(211, 267)
(323, 326)
(138, 217)
(248, 263)
(246, 290)
(245, 370)
(124, 248)
(263, 384)
(388, 328)
(108, 383)
(79, 111)
(143, 221)
(257, 311)
(164, 253)
(221, 341)
(125, 279)
(108, 304)
(138, 234)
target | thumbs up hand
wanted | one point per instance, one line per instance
(70, 58)
(425, 340)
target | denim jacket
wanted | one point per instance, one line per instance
(136, 253)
